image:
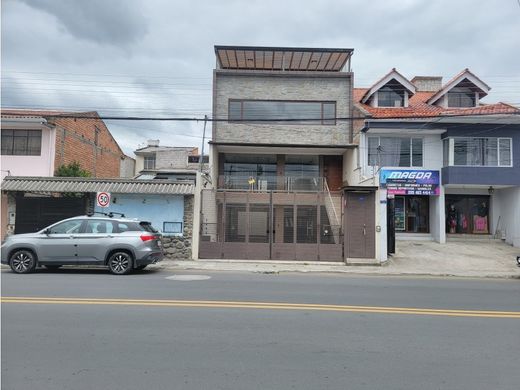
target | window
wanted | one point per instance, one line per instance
(391, 95)
(99, 226)
(490, 152)
(67, 227)
(21, 142)
(172, 227)
(461, 97)
(149, 162)
(284, 112)
(395, 152)
(196, 159)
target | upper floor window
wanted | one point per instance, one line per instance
(283, 112)
(391, 95)
(196, 159)
(21, 142)
(395, 151)
(461, 97)
(491, 152)
(149, 162)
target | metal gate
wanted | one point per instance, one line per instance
(271, 225)
(35, 213)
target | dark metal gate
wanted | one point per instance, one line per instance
(35, 213)
(271, 225)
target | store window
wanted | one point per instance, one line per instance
(412, 214)
(467, 214)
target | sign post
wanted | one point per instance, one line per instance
(103, 199)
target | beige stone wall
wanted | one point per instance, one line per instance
(283, 86)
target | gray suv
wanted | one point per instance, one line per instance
(122, 244)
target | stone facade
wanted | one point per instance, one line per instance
(179, 247)
(293, 86)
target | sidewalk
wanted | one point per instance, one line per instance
(475, 258)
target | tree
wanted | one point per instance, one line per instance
(71, 170)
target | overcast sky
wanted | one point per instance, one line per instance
(155, 57)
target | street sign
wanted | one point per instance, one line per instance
(103, 199)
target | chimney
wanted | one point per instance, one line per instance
(153, 142)
(427, 83)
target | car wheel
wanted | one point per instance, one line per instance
(22, 261)
(141, 267)
(52, 267)
(120, 263)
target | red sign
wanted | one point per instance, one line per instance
(103, 199)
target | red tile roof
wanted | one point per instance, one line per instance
(30, 113)
(417, 107)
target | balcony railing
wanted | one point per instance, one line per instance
(272, 183)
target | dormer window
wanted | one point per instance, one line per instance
(391, 95)
(461, 97)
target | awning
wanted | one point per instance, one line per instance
(82, 184)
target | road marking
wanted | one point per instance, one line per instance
(263, 305)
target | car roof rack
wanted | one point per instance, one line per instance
(109, 215)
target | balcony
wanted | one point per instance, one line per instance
(272, 183)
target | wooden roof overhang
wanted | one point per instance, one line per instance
(282, 58)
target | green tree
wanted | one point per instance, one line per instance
(71, 170)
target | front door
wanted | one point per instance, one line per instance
(59, 244)
(360, 224)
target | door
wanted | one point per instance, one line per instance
(35, 213)
(59, 244)
(360, 224)
(94, 240)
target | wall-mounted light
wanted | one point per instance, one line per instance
(491, 190)
(144, 200)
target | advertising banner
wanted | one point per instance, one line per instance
(410, 181)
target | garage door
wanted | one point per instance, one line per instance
(33, 214)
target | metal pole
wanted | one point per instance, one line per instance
(201, 160)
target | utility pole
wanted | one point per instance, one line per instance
(201, 160)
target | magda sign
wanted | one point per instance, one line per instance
(410, 181)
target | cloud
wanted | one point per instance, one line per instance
(112, 22)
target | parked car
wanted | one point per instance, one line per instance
(121, 244)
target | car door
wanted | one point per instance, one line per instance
(57, 242)
(94, 240)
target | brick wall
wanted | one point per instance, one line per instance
(282, 86)
(89, 142)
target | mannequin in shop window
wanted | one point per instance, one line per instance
(480, 221)
(452, 219)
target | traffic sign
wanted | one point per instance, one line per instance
(103, 199)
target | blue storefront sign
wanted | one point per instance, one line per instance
(410, 181)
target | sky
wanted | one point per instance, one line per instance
(154, 58)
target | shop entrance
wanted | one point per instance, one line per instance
(412, 214)
(467, 214)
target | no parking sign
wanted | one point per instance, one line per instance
(103, 199)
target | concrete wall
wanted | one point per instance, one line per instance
(282, 86)
(505, 204)
(127, 167)
(153, 208)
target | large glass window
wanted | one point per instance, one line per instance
(302, 172)
(461, 97)
(243, 171)
(21, 142)
(395, 151)
(285, 112)
(391, 95)
(490, 152)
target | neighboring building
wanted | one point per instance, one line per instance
(442, 160)
(278, 158)
(127, 166)
(36, 143)
(167, 204)
(167, 162)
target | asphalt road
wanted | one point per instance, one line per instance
(86, 329)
